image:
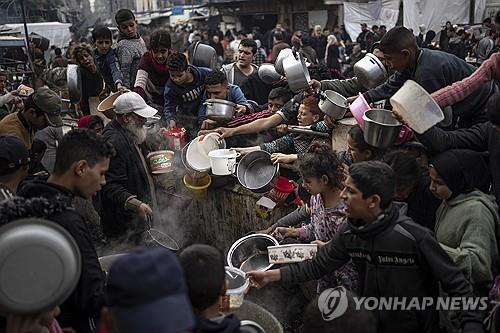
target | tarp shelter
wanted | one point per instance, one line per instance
(58, 33)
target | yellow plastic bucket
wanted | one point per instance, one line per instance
(197, 187)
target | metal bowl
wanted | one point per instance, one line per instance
(220, 110)
(333, 104)
(204, 56)
(249, 253)
(278, 64)
(381, 128)
(370, 71)
(40, 265)
(74, 80)
(268, 74)
(256, 172)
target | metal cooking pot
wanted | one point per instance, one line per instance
(74, 80)
(268, 74)
(40, 265)
(333, 104)
(381, 128)
(370, 71)
(256, 313)
(278, 64)
(297, 74)
(250, 252)
(219, 109)
(204, 56)
(256, 172)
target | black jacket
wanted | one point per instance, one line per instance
(125, 178)
(226, 324)
(81, 310)
(481, 138)
(394, 257)
(435, 70)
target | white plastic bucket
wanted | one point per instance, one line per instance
(222, 161)
(416, 107)
(237, 286)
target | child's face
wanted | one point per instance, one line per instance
(179, 77)
(357, 207)
(438, 186)
(129, 28)
(217, 91)
(103, 45)
(306, 117)
(85, 59)
(315, 185)
(398, 60)
(161, 55)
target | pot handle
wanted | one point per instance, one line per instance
(321, 95)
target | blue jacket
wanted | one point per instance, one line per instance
(235, 95)
(107, 64)
(185, 99)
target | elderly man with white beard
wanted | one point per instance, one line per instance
(128, 198)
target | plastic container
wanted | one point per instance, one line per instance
(237, 286)
(222, 161)
(416, 107)
(176, 138)
(290, 253)
(161, 161)
(197, 187)
(358, 109)
(281, 190)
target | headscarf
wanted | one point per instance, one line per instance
(462, 171)
(83, 122)
(330, 40)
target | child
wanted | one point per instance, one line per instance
(92, 82)
(288, 148)
(322, 176)
(153, 71)
(106, 60)
(130, 46)
(206, 281)
(357, 148)
(183, 92)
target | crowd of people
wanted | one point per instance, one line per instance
(429, 203)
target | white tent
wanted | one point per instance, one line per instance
(58, 33)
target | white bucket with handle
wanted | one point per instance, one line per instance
(223, 161)
(416, 107)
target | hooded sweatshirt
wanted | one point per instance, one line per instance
(129, 51)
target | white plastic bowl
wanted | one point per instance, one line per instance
(289, 253)
(198, 150)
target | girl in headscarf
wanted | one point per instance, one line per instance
(467, 222)
(332, 55)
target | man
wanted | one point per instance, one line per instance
(431, 69)
(146, 293)
(237, 72)
(128, 198)
(278, 45)
(41, 109)
(183, 91)
(394, 256)
(318, 42)
(14, 162)
(82, 160)
(361, 37)
(217, 87)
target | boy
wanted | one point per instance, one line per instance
(106, 59)
(183, 91)
(130, 46)
(82, 159)
(206, 281)
(394, 256)
(431, 69)
(92, 82)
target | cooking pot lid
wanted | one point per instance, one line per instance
(40, 265)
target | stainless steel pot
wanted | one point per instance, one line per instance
(278, 64)
(381, 128)
(297, 74)
(220, 110)
(40, 265)
(333, 104)
(254, 312)
(204, 56)
(250, 252)
(370, 71)
(268, 74)
(74, 80)
(256, 172)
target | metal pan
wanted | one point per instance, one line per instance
(256, 172)
(74, 79)
(40, 265)
(204, 56)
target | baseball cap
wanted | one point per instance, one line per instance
(50, 103)
(133, 102)
(13, 154)
(147, 292)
